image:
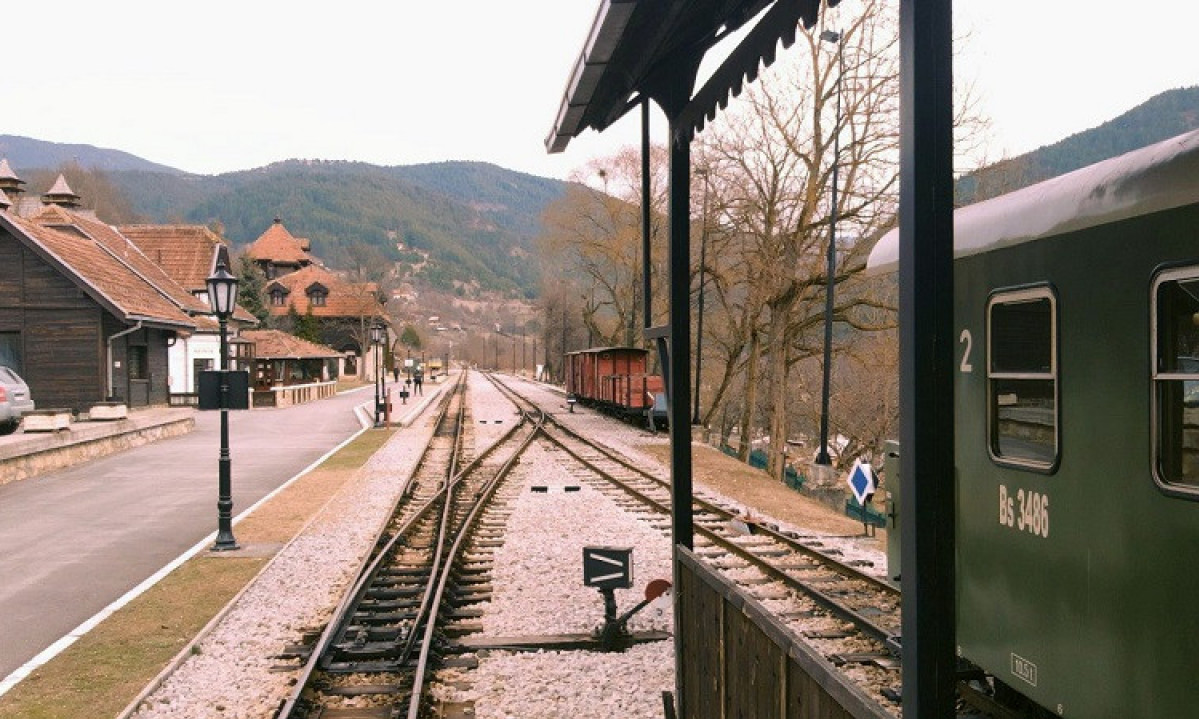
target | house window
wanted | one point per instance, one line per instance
(1175, 326)
(1022, 378)
(10, 351)
(139, 366)
(278, 298)
(317, 299)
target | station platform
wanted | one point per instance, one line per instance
(28, 454)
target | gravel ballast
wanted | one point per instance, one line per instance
(537, 588)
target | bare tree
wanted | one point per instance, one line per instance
(593, 237)
(368, 281)
(773, 158)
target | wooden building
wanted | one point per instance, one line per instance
(77, 320)
(189, 254)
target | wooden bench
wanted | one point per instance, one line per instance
(47, 420)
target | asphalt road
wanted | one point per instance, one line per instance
(73, 541)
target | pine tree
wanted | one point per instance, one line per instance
(308, 326)
(250, 285)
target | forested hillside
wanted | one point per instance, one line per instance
(461, 224)
(1160, 117)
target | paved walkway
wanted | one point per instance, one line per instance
(75, 540)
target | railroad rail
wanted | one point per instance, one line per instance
(385, 637)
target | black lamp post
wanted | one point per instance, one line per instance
(822, 455)
(222, 298)
(376, 331)
(384, 343)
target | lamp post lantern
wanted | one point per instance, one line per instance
(222, 298)
(822, 456)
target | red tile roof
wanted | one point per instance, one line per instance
(103, 275)
(273, 344)
(124, 250)
(186, 252)
(344, 299)
(279, 246)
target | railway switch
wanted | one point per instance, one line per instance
(609, 569)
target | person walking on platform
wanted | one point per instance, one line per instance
(418, 379)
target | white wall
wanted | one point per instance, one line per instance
(182, 355)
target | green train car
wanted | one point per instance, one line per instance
(1077, 436)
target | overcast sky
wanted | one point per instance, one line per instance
(219, 86)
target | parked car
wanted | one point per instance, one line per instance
(14, 400)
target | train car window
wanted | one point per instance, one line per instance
(1022, 378)
(1176, 379)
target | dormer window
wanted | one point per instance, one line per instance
(317, 294)
(277, 294)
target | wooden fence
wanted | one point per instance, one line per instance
(740, 662)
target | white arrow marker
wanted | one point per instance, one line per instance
(608, 560)
(604, 577)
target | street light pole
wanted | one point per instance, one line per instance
(699, 328)
(377, 341)
(222, 295)
(384, 344)
(822, 456)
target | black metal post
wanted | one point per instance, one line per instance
(384, 344)
(699, 322)
(646, 260)
(378, 402)
(926, 356)
(680, 338)
(224, 505)
(822, 456)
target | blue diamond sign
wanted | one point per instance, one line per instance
(862, 482)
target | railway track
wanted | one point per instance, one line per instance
(429, 567)
(848, 613)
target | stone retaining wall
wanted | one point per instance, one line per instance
(81, 443)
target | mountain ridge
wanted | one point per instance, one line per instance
(460, 226)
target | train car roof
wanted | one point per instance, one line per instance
(596, 350)
(1151, 179)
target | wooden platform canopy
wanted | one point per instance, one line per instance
(639, 51)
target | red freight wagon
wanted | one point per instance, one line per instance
(614, 379)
